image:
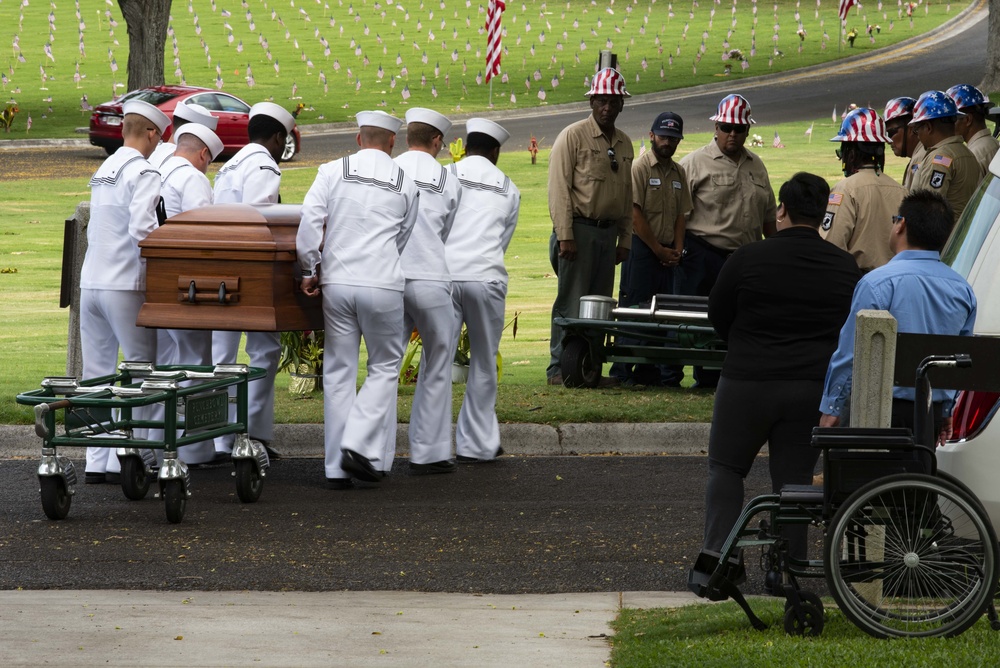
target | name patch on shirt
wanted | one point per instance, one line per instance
(937, 179)
(942, 160)
(836, 199)
(677, 185)
(654, 182)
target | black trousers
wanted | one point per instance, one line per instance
(748, 414)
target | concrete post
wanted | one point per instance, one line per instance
(74, 249)
(874, 362)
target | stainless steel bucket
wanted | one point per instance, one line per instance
(596, 307)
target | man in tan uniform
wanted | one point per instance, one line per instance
(733, 205)
(948, 168)
(660, 198)
(860, 208)
(898, 114)
(971, 124)
(590, 203)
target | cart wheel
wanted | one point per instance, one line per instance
(579, 368)
(249, 481)
(175, 498)
(135, 484)
(811, 623)
(911, 555)
(55, 498)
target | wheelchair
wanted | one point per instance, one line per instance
(908, 551)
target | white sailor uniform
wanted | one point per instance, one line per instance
(362, 209)
(427, 306)
(250, 177)
(184, 187)
(474, 251)
(125, 191)
(163, 152)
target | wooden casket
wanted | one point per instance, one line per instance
(227, 267)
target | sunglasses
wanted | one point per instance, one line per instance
(892, 131)
(614, 160)
(727, 128)
(897, 219)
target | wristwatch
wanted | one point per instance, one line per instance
(308, 273)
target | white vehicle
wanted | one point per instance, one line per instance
(973, 456)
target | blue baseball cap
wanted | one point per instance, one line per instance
(668, 124)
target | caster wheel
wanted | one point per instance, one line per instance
(55, 497)
(249, 481)
(811, 623)
(175, 500)
(807, 597)
(135, 484)
(579, 368)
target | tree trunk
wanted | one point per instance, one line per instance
(991, 83)
(147, 38)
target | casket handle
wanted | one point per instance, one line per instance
(200, 289)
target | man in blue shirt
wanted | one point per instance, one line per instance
(924, 295)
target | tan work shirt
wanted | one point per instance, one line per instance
(661, 191)
(913, 166)
(859, 216)
(984, 147)
(950, 169)
(731, 199)
(582, 183)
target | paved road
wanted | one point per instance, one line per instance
(521, 525)
(954, 55)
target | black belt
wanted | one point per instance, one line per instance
(594, 222)
(701, 242)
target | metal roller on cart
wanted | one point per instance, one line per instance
(673, 329)
(99, 412)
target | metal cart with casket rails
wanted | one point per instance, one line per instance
(672, 329)
(176, 405)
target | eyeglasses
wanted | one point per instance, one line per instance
(897, 219)
(614, 160)
(727, 128)
(892, 131)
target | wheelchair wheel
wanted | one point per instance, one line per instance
(911, 556)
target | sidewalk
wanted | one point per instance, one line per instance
(306, 440)
(127, 628)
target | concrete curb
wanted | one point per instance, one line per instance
(306, 440)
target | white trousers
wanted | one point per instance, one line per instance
(189, 347)
(480, 305)
(107, 323)
(264, 350)
(427, 306)
(355, 419)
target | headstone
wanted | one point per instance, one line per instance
(74, 249)
(874, 359)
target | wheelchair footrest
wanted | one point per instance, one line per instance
(706, 578)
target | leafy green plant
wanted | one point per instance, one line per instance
(302, 356)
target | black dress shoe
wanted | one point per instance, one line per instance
(359, 466)
(339, 483)
(91, 478)
(464, 459)
(432, 468)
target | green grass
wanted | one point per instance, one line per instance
(708, 636)
(660, 44)
(32, 342)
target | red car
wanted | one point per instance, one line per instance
(232, 112)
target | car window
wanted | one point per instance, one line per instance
(154, 97)
(207, 100)
(231, 104)
(978, 218)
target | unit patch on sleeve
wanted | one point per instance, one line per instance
(937, 179)
(827, 221)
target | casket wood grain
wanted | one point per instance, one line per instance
(227, 267)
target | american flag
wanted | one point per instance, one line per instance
(777, 141)
(493, 34)
(845, 7)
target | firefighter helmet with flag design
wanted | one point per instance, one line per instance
(863, 125)
(967, 95)
(899, 106)
(933, 104)
(608, 81)
(733, 109)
